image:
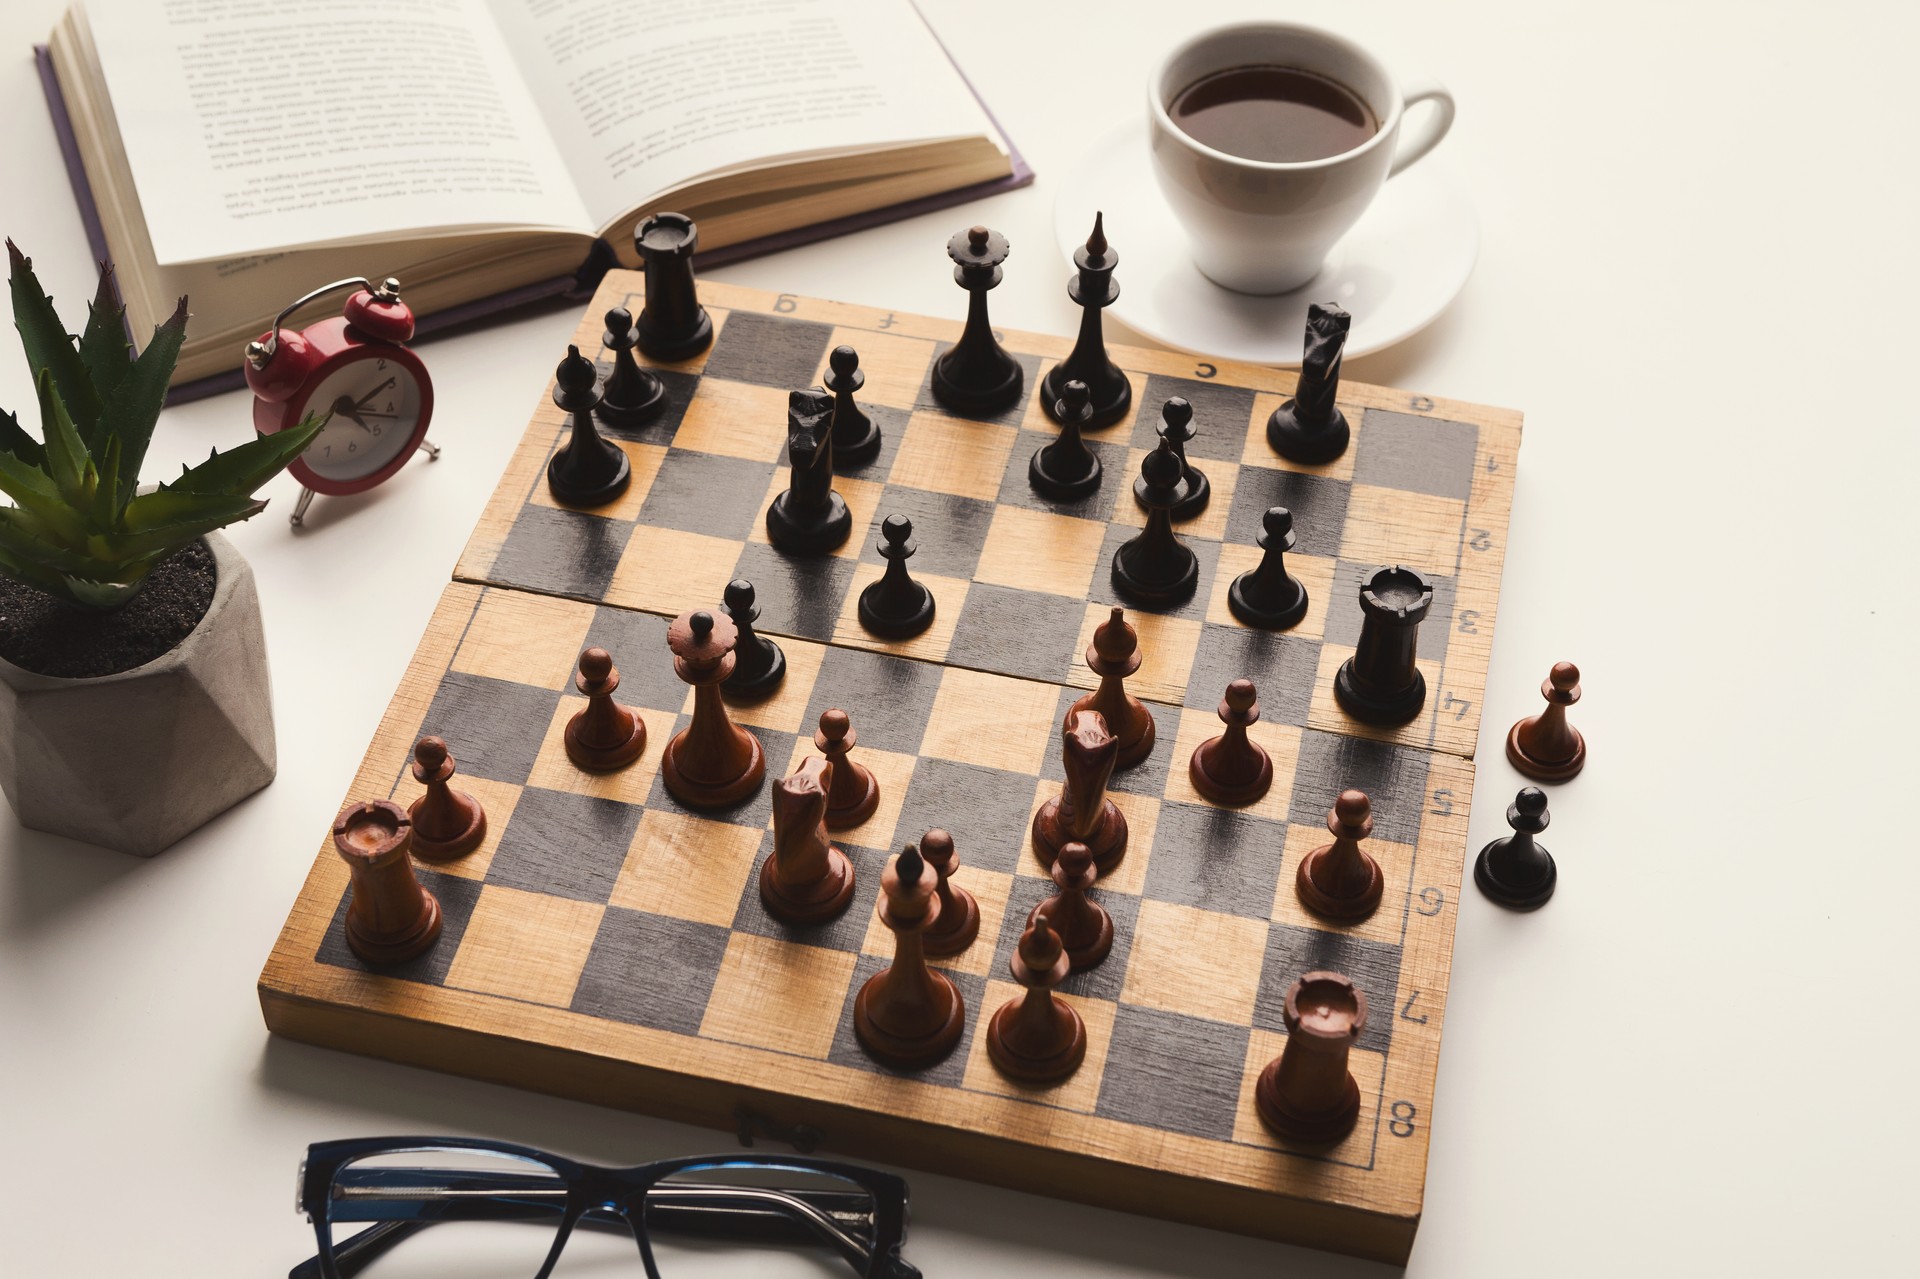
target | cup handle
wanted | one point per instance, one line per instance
(1424, 136)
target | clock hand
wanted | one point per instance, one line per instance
(361, 402)
(351, 411)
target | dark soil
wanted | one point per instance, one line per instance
(51, 637)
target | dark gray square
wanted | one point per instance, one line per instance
(984, 809)
(888, 698)
(950, 1070)
(1205, 550)
(1345, 617)
(844, 931)
(1220, 416)
(893, 426)
(948, 532)
(757, 808)
(1215, 859)
(796, 596)
(769, 350)
(456, 896)
(561, 552)
(1393, 777)
(1318, 503)
(564, 845)
(1104, 980)
(722, 497)
(1373, 967)
(1015, 632)
(665, 423)
(1421, 454)
(1173, 1073)
(651, 970)
(638, 643)
(1149, 776)
(1017, 490)
(1029, 366)
(1283, 667)
(494, 727)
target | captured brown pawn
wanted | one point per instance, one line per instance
(959, 919)
(1037, 1039)
(1545, 747)
(805, 879)
(447, 823)
(1307, 1094)
(1085, 928)
(603, 736)
(712, 762)
(1341, 881)
(908, 1015)
(856, 792)
(1082, 810)
(391, 917)
(1113, 655)
(1232, 768)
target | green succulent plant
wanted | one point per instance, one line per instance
(79, 528)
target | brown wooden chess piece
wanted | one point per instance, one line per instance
(1545, 747)
(908, 1015)
(712, 762)
(391, 917)
(1307, 1094)
(447, 823)
(1341, 881)
(603, 736)
(1036, 1038)
(1085, 928)
(805, 879)
(959, 919)
(856, 792)
(1232, 768)
(1082, 810)
(1113, 655)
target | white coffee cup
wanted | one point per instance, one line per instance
(1259, 226)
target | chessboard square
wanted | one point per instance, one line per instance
(1148, 777)
(1355, 1150)
(1319, 507)
(735, 420)
(1011, 415)
(643, 464)
(1314, 572)
(949, 1071)
(1281, 665)
(563, 845)
(528, 639)
(704, 493)
(1291, 952)
(1392, 526)
(1195, 962)
(1393, 777)
(1171, 1073)
(795, 596)
(669, 571)
(1216, 859)
(456, 896)
(1015, 632)
(664, 423)
(931, 645)
(1079, 1091)
(845, 931)
(1016, 489)
(1213, 521)
(1105, 979)
(769, 350)
(979, 718)
(497, 801)
(1327, 714)
(561, 552)
(893, 428)
(1280, 740)
(1261, 454)
(952, 455)
(1345, 619)
(1415, 454)
(637, 642)
(687, 867)
(755, 809)
(1396, 871)
(494, 727)
(894, 366)
(1206, 552)
(990, 891)
(778, 995)
(1036, 418)
(786, 710)
(984, 809)
(647, 971)
(863, 504)
(1220, 416)
(553, 770)
(1166, 651)
(894, 772)
(888, 698)
(526, 945)
(948, 531)
(1036, 551)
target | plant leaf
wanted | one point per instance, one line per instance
(246, 467)
(24, 538)
(104, 348)
(134, 406)
(37, 496)
(67, 460)
(48, 345)
(106, 494)
(149, 511)
(15, 440)
(168, 537)
(23, 569)
(103, 595)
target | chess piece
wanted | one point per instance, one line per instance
(896, 606)
(391, 917)
(1232, 768)
(758, 663)
(976, 375)
(856, 792)
(856, 437)
(908, 1015)
(1085, 928)
(604, 736)
(1065, 469)
(809, 517)
(1515, 871)
(1267, 595)
(1195, 490)
(1156, 567)
(632, 394)
(1114, 655)
(1082, 810)
(672, 325)
(1036, 1038)
(1341, 881)
(1545, 747)
(959, 920)
(805, 879)
(1307, 1094)
(447, 823)
(1380, 683)
(712, 762)
(588, 470)
(1309, 428)
(1093, 289)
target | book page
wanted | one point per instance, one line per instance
(252, 127)
(642, 97)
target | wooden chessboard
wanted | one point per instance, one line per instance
(607, 944)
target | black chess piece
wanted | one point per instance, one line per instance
(1156, 567)
(1380, 684)
(896, 606)
(1516, 872)
(758, 663)
(977, 375)
(672, 325)
(1109, 393)
(1310, 428)
(1066, 470)
(1176, 428)
(631, 394)
(589, 470)
(856, 437)
(1267, 595)
(809, 517)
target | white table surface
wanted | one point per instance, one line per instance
(1697, 280)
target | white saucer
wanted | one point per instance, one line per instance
(1397, 270)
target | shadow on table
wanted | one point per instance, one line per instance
(47, 876)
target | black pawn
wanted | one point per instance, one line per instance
(1176, 428)
(673, 325)
(631, 394)
(1269, 596)
(758, 663)
(809, 517)
(1310, 428)
(1156, 567)
(1094, 288)
(1516, 872)
(896, 606)
(1380, 684)
(588, 470)
(856, 437)
(977, 375)
(1066, 470)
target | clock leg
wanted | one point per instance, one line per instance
(300, 507)
(431, 449)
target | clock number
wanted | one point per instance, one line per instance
(353, 446)
(380, 366)
(1401, 1125)
(328, 451)
(375, 430)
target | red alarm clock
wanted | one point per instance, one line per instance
(355, 371)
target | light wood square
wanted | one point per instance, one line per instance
(528, 946)
(497, 801)
(1395, 526)
(895, 365)
(1143, 821)
(664, 570)
(861, 496)
(553, 770)
(778, 995)
(523, 639)
(1041, 551)
(993, 721)
(1167, 648)
(687, 867)
(1282, 744)
(592, 325)
(931, 645)
(1324, 713)
(892, 770)
(1366, 1067)
(1396, 861)
(990, 889)
(953, 455)
(1210, 523)
(1195, 962)
(1315, 573)
(1035, 418)
(786, 710)
(735, 419)
(1078, 1091)
(645, 460)
(1260, 453)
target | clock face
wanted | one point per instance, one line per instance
(372, 405)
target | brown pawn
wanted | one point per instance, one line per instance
(447, 823)
(1082, 810)
(959, 920)
(1113, 655)
(603, 736)
(1341, 881)
(805, 879)
(1233, 768)
(856, 792)
(1036, 1038)
(391, 917)
(712, 762)
(1085, 928)
(1545, 747)
(908, 1015)
(1307, 1094)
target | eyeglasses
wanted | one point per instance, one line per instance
(452, 1208)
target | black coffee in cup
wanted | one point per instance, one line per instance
(1273, 113)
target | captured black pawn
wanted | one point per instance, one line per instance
(1156, 567)
(758, 663)
(631, 394)
(1380, 684)
(808, 517)
(977, 375)
(1066, 469)
(856, 437)
(1310, 428)
(1267, 595)
(672, 325)
(1109, 394)
(896, 606)
(1515, 871)
(589, 470)
(1176, 428)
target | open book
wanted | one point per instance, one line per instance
(243, 153)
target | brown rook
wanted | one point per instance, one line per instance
(958, 922)
(805, 879)
(1307, 1094)
(603, 736)
(1113, 655)
(1545, 747)
(712, 762)
(391, 918)
(1085, 928)
(1036, 1038)
(1082, 810)
(1233, 768)
(1341, 881)
(908, 1015)
(447, 823)
(856, 792)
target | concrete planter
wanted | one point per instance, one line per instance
(134, 761)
